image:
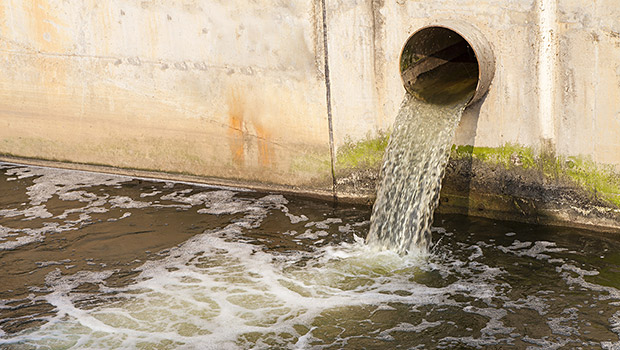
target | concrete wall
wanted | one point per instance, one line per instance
(588, 85)
(238, 90)
(582, 92)
(231, 89)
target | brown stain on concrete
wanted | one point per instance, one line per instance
(250, 137)
(71, 96)
(153, 30)
(236, 113)
(266, 154)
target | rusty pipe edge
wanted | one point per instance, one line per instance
(482, 50)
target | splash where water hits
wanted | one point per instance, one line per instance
(98, 261)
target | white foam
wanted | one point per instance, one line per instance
(50, 181)
(50, 263)
(324, 224)
(35, 212)
(530, 302)
(150, 194)
(536, 251)
(127, 203)
(211, 290)
(296, 219)
(216, 288)
(30, 235)
(408, 327)
(615, 327)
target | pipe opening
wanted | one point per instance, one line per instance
(440, 66)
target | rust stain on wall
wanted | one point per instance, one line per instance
(236, 111)
(265, 149)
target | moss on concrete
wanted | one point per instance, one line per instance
(601, 181)
(312, 162)
(357, 166)
(367, 153)
(316, 162)
(509, 155)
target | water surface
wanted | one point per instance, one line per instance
(106, 262)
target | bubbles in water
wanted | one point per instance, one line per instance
(249, 270)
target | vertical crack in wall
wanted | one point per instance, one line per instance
(328, 96)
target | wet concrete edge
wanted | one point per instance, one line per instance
(470, 187)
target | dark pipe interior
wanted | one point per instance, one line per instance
(439, 66)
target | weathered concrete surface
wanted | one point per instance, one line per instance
(229, 89)
(238, 90)
(556, 91)
(513, 183)
(589, 80)
(584, 86)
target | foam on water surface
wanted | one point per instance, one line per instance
(192, 267)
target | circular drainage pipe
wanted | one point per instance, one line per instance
(444, 64)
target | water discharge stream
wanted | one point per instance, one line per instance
(442, 74)
(411, 174)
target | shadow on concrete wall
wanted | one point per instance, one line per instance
(457, 181)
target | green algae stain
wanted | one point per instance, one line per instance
(311, 162)
(603, 181)
(367, 153)
(509, 155)
(600, 180)
(312, 165)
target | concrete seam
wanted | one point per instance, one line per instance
(547, 56)
(329, 101)
(204, 66)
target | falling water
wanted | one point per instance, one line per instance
(411, 174)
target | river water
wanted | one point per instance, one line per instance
(92, 261)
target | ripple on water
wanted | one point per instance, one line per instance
(220, 268)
